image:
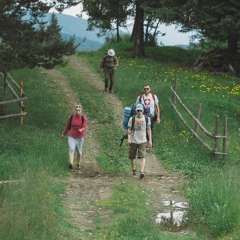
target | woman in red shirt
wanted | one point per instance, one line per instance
(76, 125)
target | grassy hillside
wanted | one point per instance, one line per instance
(174, 144)
(32, 153)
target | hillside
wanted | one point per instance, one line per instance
(77, 26)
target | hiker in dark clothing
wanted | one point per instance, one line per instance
(108, 64)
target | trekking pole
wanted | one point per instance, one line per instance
(122, 139)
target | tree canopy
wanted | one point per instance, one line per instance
(213, 19)
(28, 41)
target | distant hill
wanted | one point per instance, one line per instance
(77, 26)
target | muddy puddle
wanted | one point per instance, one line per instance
(174, 217)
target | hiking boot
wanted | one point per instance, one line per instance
(141, 175)
(134, 173)
(78, 167)
(110, 91)
(106, 89)
(71, 166)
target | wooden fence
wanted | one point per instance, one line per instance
(12, 85)
(198, 124)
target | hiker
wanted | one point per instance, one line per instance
(108, 64)
(137, 138)
(76, 125)
(150, 100)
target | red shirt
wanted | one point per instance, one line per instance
(75, 126)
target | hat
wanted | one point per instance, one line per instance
(111, 52)
(139, 107)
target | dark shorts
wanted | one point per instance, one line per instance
(140, 148)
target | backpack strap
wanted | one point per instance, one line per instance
(71, 117)
(133, 120)
(141, 96)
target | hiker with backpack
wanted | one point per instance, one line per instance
(109, 63)
(150, 102)
(76, 125)
(139, 126)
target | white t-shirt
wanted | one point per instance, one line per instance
(149, 101)
(138, 134)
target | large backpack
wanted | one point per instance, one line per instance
(128, 113)
(108, 61)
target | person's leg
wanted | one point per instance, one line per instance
(142, 165)
(132, 156)
(111, 74)
(71, 144)
(106, 76)
(79, 146)
(142, 153)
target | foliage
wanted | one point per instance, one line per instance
(32, 201)
(173, 144)
(36, 153)
(25, 39)
(215, 202)
(107, 15)
(216, 20)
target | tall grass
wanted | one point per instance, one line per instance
(173, 143)
(32, 155)
(215, 202)
(34, 152)
(29, 207)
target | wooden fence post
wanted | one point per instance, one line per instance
(216, 134)
(175, 89)
(5, 83)
(198, 117)
(21, 102)
(225, 138)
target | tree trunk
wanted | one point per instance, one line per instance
(118, 34)
(233, 43)
(138, 48)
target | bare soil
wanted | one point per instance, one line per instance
(91, 183)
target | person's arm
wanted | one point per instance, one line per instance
(129, 130)
(84, 126)
(100, 65)
(149, 131)
(158, 113)
(66, 128)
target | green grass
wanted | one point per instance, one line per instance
(173, 143)
(35, 153)
(29, 207)
(131, 216)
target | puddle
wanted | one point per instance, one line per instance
(174, 220)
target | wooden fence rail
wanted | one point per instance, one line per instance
(10, 83)
(198, 125)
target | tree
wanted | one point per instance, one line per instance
(107, 15)
(25, 39)
(138, 32)
(213, 19)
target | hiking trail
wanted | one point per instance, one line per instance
(91, 183)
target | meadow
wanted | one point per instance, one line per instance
(32, 153)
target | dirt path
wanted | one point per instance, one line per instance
(91, 183)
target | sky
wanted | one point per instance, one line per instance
(172, 37)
